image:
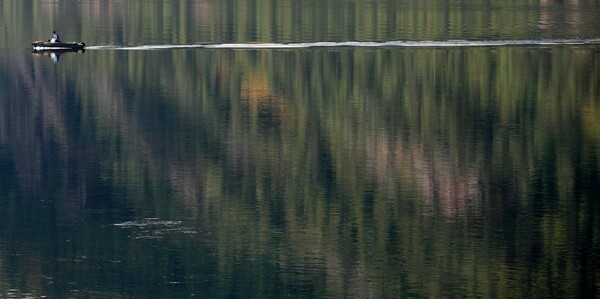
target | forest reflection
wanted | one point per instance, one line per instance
(118, 22)
(341, 158)
(389, 119)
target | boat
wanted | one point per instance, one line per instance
(42, 45)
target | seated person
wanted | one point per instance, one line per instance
(55, 37)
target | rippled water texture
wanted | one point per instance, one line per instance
(300, 149)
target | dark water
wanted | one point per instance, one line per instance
(271, 149)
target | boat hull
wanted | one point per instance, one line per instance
(57, 46)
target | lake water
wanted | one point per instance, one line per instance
(303, 149)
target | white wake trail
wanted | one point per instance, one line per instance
(358, 44)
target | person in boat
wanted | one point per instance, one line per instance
(55, 37)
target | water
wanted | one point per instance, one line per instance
(239, 149)
(420, 44)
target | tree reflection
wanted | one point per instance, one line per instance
(422, 172)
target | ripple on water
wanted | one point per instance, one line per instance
(155, 228)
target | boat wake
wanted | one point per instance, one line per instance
(357, 44)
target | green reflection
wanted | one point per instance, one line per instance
(422, 172)
(117, 22)
(410, 172)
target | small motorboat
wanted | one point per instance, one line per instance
(42, 45)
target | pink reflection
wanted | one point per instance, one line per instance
(447, 186)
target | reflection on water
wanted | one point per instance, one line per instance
(310, 171)
(54, 55)
(324, 172)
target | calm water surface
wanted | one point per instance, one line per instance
(320, 149)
